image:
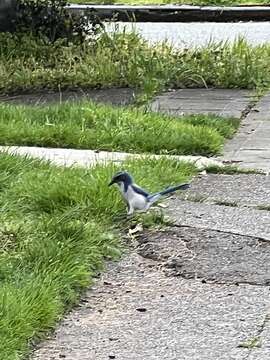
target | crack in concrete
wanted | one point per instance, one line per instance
(204, 199)
(249, 108)
(262, 239)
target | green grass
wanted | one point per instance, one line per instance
(57, 227)
(230, 170)
(91, 126)
(127, 60)
(263, 207)
(174, 2)
(255, 342)
(226, 203)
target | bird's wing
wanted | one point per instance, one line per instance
(139, 190)
(154, 197)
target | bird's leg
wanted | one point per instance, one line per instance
(130, 210)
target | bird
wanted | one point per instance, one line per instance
(136, 198)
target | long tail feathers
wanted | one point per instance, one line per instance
(174, 188)
(155, 197)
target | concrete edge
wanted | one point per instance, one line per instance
(88, 158)
(175, 13)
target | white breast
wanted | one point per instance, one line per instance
(136, 201)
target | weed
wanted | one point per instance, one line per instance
(197, 198)
(251, 343)
(230, 170)
(125, 59)
(263, 207)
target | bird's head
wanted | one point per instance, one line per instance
(121, 177)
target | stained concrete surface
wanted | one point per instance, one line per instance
(219, 257)
(113, 96)
(242, 221)
(250, 148)
(236, 190)
(223, 102)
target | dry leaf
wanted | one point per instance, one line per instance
(163, 205)
(138, 228)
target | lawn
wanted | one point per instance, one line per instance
(173, 2)
(121, 59)
(87, 125)
(57, 227)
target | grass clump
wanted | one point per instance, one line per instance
(125, 59)
(57, 227)
(230, 170)
(91, 126)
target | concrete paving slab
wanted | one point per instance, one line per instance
(242, 221)
(223, 102)
(114, 96)
(136, 312)
(239, 190)
(258, 354)
(251, 146)
(74, 157)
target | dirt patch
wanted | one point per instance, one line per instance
(209, 255)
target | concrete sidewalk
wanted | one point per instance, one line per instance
(250, 148)
(113, 96)
(222, 102)
(86, 158)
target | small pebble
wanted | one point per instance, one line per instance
(113, 339)
(107, 283)
(141, 309)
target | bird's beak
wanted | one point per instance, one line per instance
(112, 182)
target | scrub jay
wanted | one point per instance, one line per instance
(137, 198)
